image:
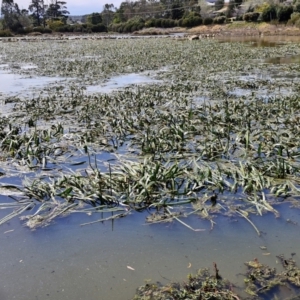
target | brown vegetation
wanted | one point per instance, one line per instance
(246, 29)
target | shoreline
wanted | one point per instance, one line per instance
(232, 30)
(247, 29)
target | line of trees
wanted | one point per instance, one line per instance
(37, 14)
(135, 15)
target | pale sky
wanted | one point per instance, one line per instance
(77, 7)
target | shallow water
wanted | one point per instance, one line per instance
(67, 261)
(263, 41)
(12, 84)
(29, 67)
(284, 60)
(90, 262)
(260, 93)
(121, 81)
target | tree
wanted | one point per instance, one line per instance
(24, 18)
(57, 9)
(108, 14)
(219, 4)
(11, 15)
(192, 6)
(37, 8)
(297, 7)
(177, 11)
(284, 12)
(251, 16)
(126, 11)
(268, 13)
(233, 8)
(230, 9)
(118, 17)
(94, 19)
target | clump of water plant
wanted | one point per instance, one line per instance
(203, 285)
(261, 281)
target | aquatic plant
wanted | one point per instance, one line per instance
(190, 140)
(261, 281)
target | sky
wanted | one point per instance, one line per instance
(77, 7)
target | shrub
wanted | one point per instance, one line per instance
(34, 33)
(126, 28)
(116, 27)
(168, 23)
(129, 26)
(191, 21)
(158, 22)
(297, 7)
(61, 29)
(164, 23)
(140, 26)
(24, 30)
(260, 8)
(54, 24)
(219, 20)
(41, 29)
(5, 33)
(99, 28)
(197, 21)
(268, 13)
(284, 13)
(295, 17)
(207, 21)
(150, 23)
(77, 28)
(297, 23)
(47, 30)
(251, 16)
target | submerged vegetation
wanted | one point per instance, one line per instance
(262, 282)
(217, 132)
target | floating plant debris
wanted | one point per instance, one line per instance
(261, 281)
(203, 285)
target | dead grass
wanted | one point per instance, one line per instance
(159, 31)
(244, 28)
